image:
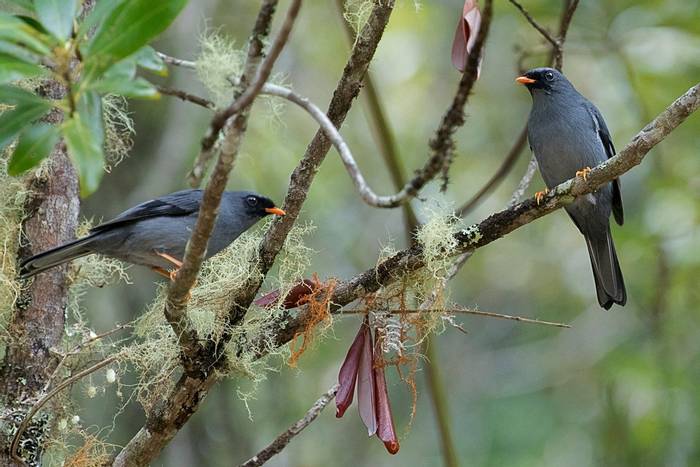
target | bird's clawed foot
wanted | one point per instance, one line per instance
(541, 194)
(172, 274)
(583, 173)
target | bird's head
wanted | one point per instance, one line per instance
(547, 80)
(255, 205)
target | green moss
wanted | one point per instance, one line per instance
(119, 128)
(219, 65)
(357, 13)
(13, 195)
(155, 355)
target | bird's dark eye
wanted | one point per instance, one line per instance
(549, 76)
(252, 201)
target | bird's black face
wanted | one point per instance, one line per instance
(544, 79)
(260, 206)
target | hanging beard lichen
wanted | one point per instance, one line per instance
(13, 195)
(119, 128)
(156, 355)
(407, 312)
(219, 65)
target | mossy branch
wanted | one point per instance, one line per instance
(179, 290)
(189, 391)
(478, 235)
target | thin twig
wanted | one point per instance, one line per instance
(285, 438)
(381, 129)
(185, 96)
(535, 24)
(65, 383)
(557, 56)
(81, 345)
(524, 183)
(176, 61)
(490, 314)
(466, 311)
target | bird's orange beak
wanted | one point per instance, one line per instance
(277, 211)
(525, 80)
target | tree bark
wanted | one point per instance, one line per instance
(38, 323)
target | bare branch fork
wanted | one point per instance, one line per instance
(557, 42)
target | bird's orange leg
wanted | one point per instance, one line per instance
(583, 173)
(541, 194)
(176, 262)
(161, 271)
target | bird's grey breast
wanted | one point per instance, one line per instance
(564, 138)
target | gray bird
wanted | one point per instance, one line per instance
(155, 233)
(568, 136)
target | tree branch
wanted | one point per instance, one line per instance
(179, 289)
(185, 96)
(176, 61)
(493, 227)
(557, 55)
(536, 25)
(191, 389)
(501, 223)
(285, 438)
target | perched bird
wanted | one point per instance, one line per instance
(568, 136)
(155, 233)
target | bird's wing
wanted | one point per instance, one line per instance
(181, 203)
(604, 135)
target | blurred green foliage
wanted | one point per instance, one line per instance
(619, 389)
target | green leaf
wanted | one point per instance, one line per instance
(97, 14)
(138, 88)
(148, 58)
(57, 16)
(12, 121)
(14, 30)
(126, 29)
(26, 4)
(35, 143)
(90, 107)
(85, 148)
(84, 136)
(12, 95)
(12, 69)
(124, 69)
(33, 23)
(18, 52)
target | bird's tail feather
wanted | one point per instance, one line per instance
(54, 257)
(610, 286)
